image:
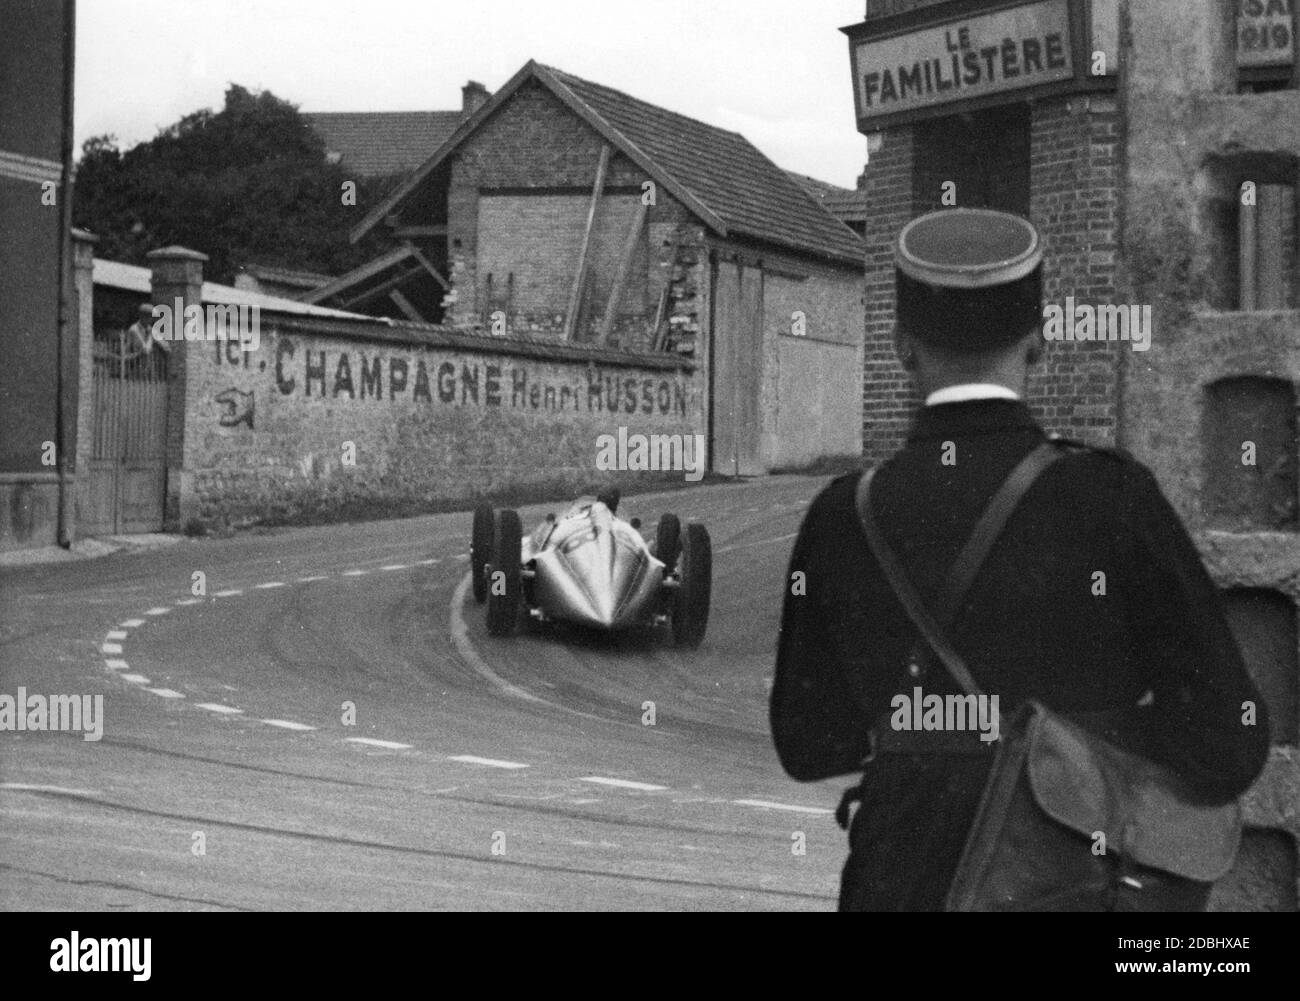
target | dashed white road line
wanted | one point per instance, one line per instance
(217, 707)
(425, 563)
(165, 693)
(135, 679)
(354, 573)
(397, 566)
(315, 577)
(472, 759)
(287, 724)
(760, 542)
(160, 610)
(270, 584)
(111, 648)
(229, 593)
(622, 783)
(29, 787)
(189, 601)
(116, 634)
(765, 804)
(390, 745)
(132, 623)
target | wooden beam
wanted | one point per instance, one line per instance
(424, 261)
(404, 304)
(357, 275)
(575, 294)
(409, 232)
(624, 269)
(380, 289)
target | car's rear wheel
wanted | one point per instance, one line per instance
(668, 541)
(504, 577)
(691, 599)
(480, 549)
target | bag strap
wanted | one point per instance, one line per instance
(964, 569)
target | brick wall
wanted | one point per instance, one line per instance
(536, 142)
(1074, 201)
(888, 397)
(434, 416)
(1073, 197)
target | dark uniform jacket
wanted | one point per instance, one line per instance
(1031, 627)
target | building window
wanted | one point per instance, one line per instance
(1251, 222)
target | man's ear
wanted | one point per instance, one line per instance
(905, 348)
(1034, 346)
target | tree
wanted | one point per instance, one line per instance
(247, 183)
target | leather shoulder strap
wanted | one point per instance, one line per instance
(965, 567)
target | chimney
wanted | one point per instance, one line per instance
(472, 97)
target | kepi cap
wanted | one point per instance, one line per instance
(969, 280)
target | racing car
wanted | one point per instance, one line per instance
(590, 567)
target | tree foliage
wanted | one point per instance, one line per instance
(248, 183)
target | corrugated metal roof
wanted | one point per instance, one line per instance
(133, 278)
(374, 143)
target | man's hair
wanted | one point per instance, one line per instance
(970, 321)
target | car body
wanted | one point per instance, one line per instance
(590, 567)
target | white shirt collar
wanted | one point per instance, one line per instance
(970, 391)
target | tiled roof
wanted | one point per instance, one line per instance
(849, 204)
(723, 170)
(374, 143)
(720, 176)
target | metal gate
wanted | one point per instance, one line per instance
(128, 464)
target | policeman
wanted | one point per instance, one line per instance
(1093, 600)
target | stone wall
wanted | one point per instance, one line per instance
(1194, 142)
(330, 415)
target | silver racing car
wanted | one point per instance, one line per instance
(590, 567)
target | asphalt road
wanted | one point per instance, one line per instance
(477, 773)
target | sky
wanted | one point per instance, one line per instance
(776, 71)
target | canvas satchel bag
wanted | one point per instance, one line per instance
(1067, 820)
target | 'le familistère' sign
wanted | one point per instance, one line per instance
(985, 54)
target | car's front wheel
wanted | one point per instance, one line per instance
(690, 616)
(505, 575)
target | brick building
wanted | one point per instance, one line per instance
(564, 210)
(1160, 176)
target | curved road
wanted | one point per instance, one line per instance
(329, 727)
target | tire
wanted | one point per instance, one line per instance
(505, 593)
(480, 549)
(691, 602)
(668, 541)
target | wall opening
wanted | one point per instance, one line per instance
(1252, 233)
(1250, 454)
(1264, 876)
(1264, 624)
